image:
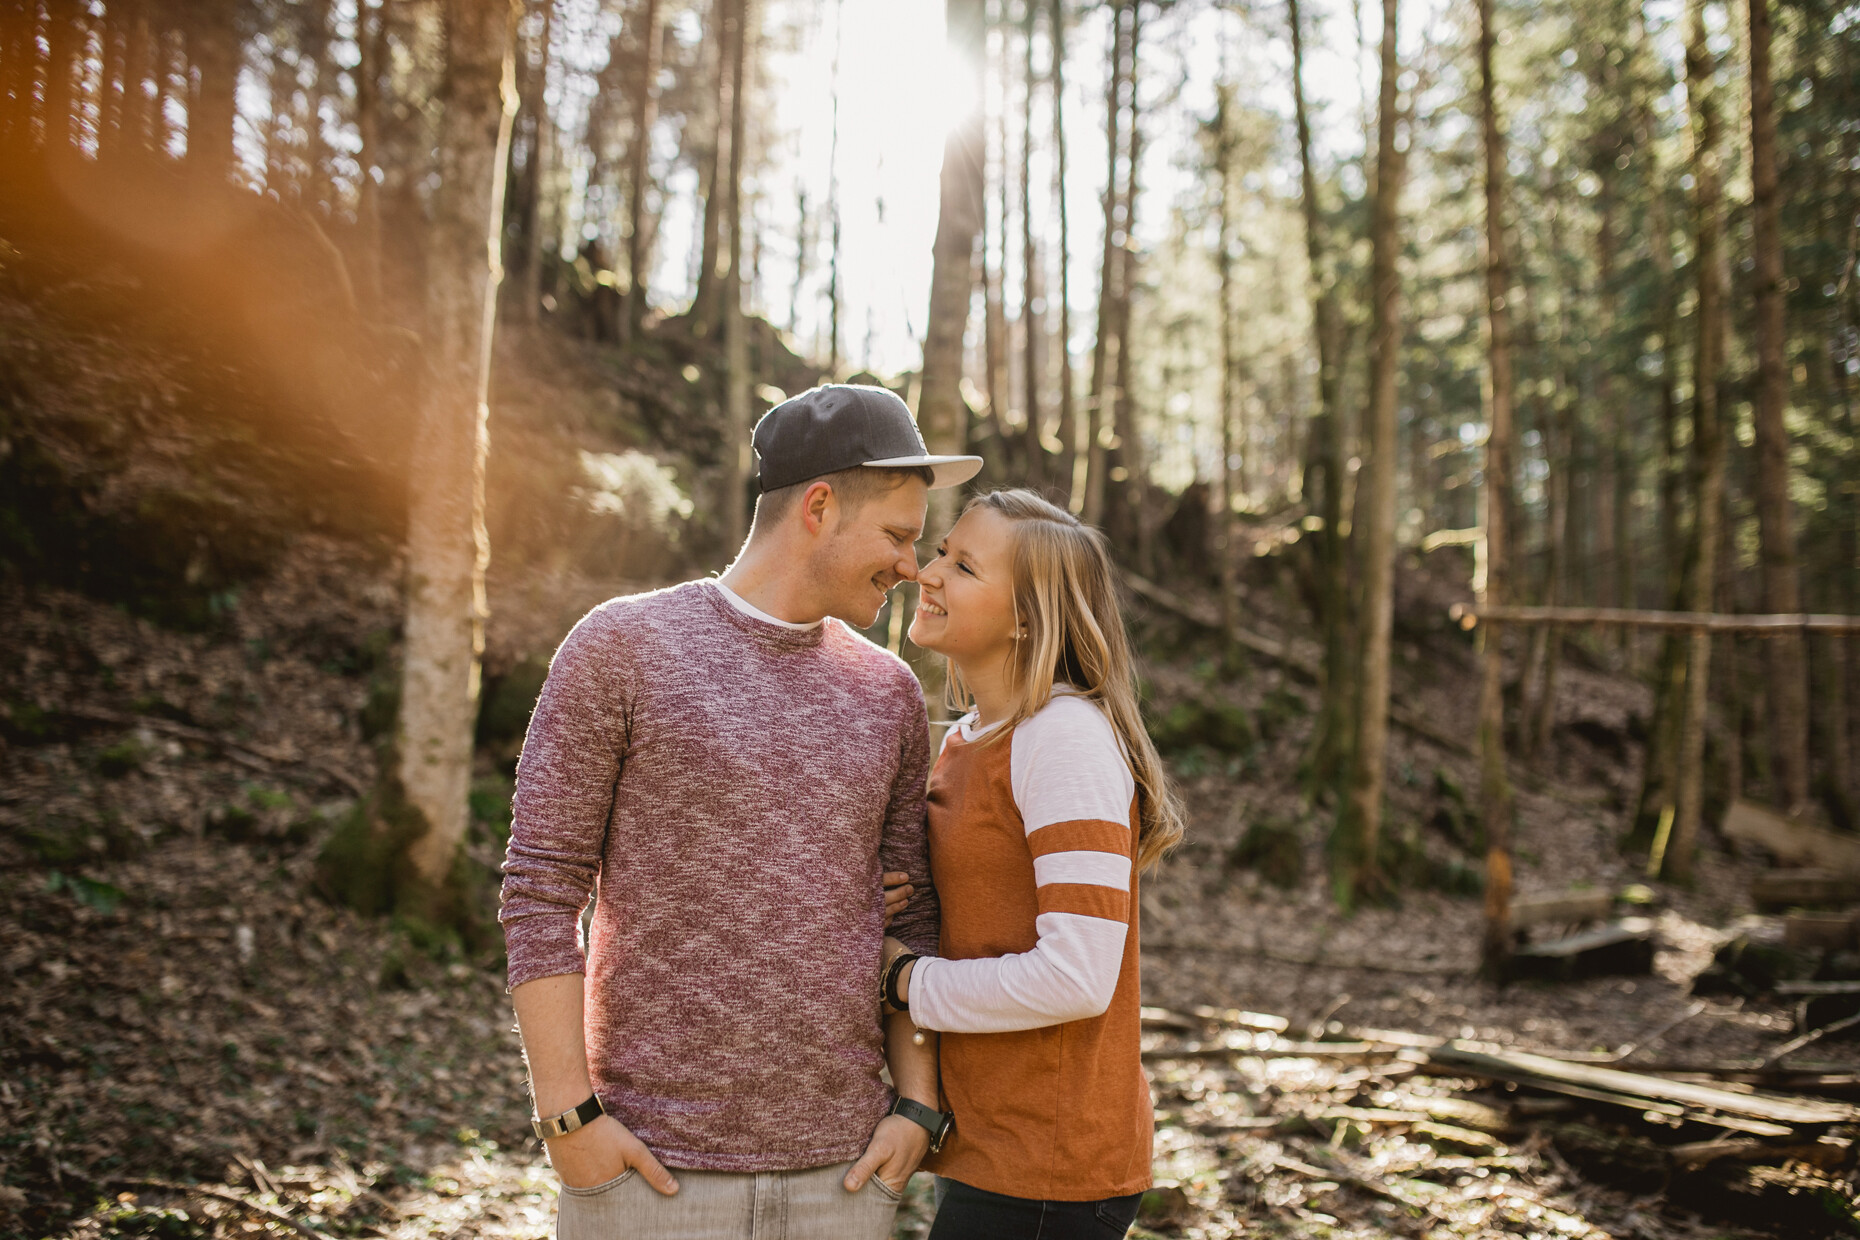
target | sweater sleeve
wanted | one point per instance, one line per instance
(566, 777)
(1073, 788)
(904, 846)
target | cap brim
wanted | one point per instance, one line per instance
(950, 471)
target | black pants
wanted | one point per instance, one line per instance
(965, 1213)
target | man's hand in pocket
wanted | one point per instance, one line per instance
(604, 1150)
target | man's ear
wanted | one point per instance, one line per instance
(819, 506)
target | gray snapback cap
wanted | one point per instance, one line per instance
(843, 426)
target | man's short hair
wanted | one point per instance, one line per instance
(854, 487)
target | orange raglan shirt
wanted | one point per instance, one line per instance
(1036, 990)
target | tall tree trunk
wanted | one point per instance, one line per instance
(64, 39)
(213, 44)
(1127, 470)
(703, 304)
(1032, 293)
(1064, 480)
(315, 42)
(1033, 285)
(940, 410)
(994, 273)
(1331, 744)
(539, 233)
(1495, 496)
(639, 171)
(1707, 437)
(447, 547)
(1787, 687)
(1092, 505)
(1224, 529)
(119, 21)
(1359, 872)
(372, 47)
(735, 329)
(1660, 780)
(833, 201)
(19, 63)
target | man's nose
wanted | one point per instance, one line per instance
(906, 566)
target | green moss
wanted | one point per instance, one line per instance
(1273, 849)
(121, 758)
(1202, 722)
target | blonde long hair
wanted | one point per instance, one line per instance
(1065, 595)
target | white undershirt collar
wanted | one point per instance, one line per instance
(756, 613)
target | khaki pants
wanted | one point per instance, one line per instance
(728, 1205)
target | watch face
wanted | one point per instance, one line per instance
(942, 1133)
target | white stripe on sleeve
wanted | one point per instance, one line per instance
(1101, 868)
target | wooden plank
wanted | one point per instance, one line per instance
(1791, 842)
(1561, 1076)
(1561, 909)
(1808, 887)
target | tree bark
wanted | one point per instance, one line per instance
(1092, 507)
(941, 414)
(1032, 294)
(371, 44)
(1331, 745)
(1786, 689)
(735, 329)
(703, 303)
(639, 170)
(213, 44)
(833, 201)
(1064, 480)
(994, 274)
(1224, 531)
(539, 225)
(1707, 438)
(1495, 494)
(65, 51)
(1126, 499)
(119, 22)
(1358, 872)
(447, 546)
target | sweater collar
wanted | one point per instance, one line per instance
(765, 633)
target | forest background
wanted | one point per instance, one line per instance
(353, 348)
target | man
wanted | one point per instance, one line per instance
(735, 769)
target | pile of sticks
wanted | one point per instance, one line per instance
(1742, 1144)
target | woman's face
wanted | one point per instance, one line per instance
(965, 606)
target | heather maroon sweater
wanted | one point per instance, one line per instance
(735, 788)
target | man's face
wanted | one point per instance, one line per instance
(870, 549)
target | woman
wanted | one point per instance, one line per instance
(1046, 801)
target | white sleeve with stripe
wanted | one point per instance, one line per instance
(1067, 767)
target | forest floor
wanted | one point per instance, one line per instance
(196, 1044)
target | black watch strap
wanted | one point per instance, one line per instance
(937, 1123)
(569, 1121)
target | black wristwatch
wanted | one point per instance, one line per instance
(568, 1121)
(939, 1124)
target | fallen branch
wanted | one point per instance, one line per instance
(264, 1211)
(1318, 962)
(1813, 1035)
(1469, 614)
(240, 751)
(1280, 653)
